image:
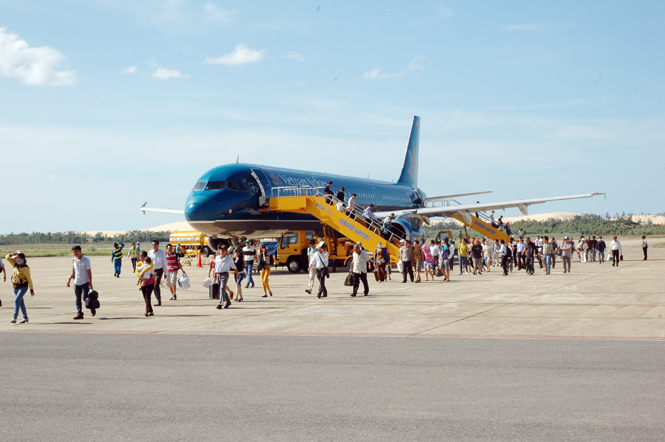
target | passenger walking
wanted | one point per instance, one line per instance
(223, 266)
(158, 258)
(428, 262)
(320, 262)
(133, 255)
(352, 204)
(617, 252)
(601, 249)
(593, 245)
(239, 261)
(368, 214)
(492, 222)
(504, 253)
(82, 276)
(116, 258)
(146, 274)
(264, 263)
(172, 266)
(530, 253)
(4, 278)
(582, 248)
(385, 227)
(477, 256)
(311, 251)
(446, 254)
(487, 255)
(329, 193)
(547, 255)
(340, 194)
(434, 250)
(521, 259)
(418, 258)
(463, 252)
(496, 248)
(520, 234)
(21, 282)
(359, 269)
(406, 256)
(567, 249)
(645, 246)
(340, 206)
(555, 248)
(249, 254)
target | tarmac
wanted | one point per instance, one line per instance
(593, 302)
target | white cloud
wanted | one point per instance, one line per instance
(295, 56)
(239, 56)
(165, 74)
(214, 13)
(129, 70)
(32, 65)
(377, 73)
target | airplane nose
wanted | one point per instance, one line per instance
(195, 209)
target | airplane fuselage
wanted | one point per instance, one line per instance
(226, 200)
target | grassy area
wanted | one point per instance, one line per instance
(660, 245)
(57, 249)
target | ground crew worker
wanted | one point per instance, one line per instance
(133, 255)
(645, 246)
(116, 258)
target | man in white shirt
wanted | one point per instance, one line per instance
(359, 269)
(158, 258)
(82, 276)
(645, 246)
(311, 251)
(248, 253)
(616, 250)
(567, 249)
(367, 213)
(352, 204)
(223, 265)
(434, 250)
(320, 261)
(520, 254)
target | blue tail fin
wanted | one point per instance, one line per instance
(409, 174)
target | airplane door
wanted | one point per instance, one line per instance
(264, 184)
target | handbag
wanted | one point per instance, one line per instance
(621, 257)
(439, 272)
(349, 280)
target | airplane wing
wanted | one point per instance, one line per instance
(145, 209)
(459, 195)
(464, 209)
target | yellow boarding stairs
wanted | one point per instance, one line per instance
(482, 227)
(352, 225)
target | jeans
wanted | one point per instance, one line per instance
(158, 279)
(117, 265)
(248, 268)
(408, 268)
(566, 263)
(615, 257)
(548, 263)
(601, 256)
(20, 303)
(357, 277)
(147, 293)
(134, 263)
(81, 292)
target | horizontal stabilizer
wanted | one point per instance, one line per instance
(145, 209)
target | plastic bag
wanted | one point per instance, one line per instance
(183, 282)
(400, 266)
(207, 282)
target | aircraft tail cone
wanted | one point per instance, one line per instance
(200, 264)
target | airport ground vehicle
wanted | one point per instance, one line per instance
(192, 242)
(292, 249)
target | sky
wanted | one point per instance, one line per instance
(107, 104)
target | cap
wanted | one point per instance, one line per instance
(359, 244)
(401, 240)
(248, 240)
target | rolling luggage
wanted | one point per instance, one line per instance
(213, 290)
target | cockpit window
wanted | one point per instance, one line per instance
(215, 185)
(241, 186)
(200, 185)
(231, 185)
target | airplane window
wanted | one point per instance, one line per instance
(215, 185)
(231, 185)
(200, 185)
(241, 186)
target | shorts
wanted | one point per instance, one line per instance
(429, 265)
(172, 279)
(240, 277)
(417, 264)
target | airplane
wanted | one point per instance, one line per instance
(226, 202)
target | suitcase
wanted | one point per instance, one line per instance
(213, 290)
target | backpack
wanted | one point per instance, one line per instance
(509, 251)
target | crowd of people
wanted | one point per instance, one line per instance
(475, 256)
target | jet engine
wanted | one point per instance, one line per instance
(410, 228)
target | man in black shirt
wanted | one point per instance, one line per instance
(477, 255)
(529, 252)
(329, 193)
(601, 246)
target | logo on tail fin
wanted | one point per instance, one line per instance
(409, 174)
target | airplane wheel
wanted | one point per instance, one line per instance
(293, 265)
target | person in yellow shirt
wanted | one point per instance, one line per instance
(463, 261)
(146, 274)
(21, 280)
